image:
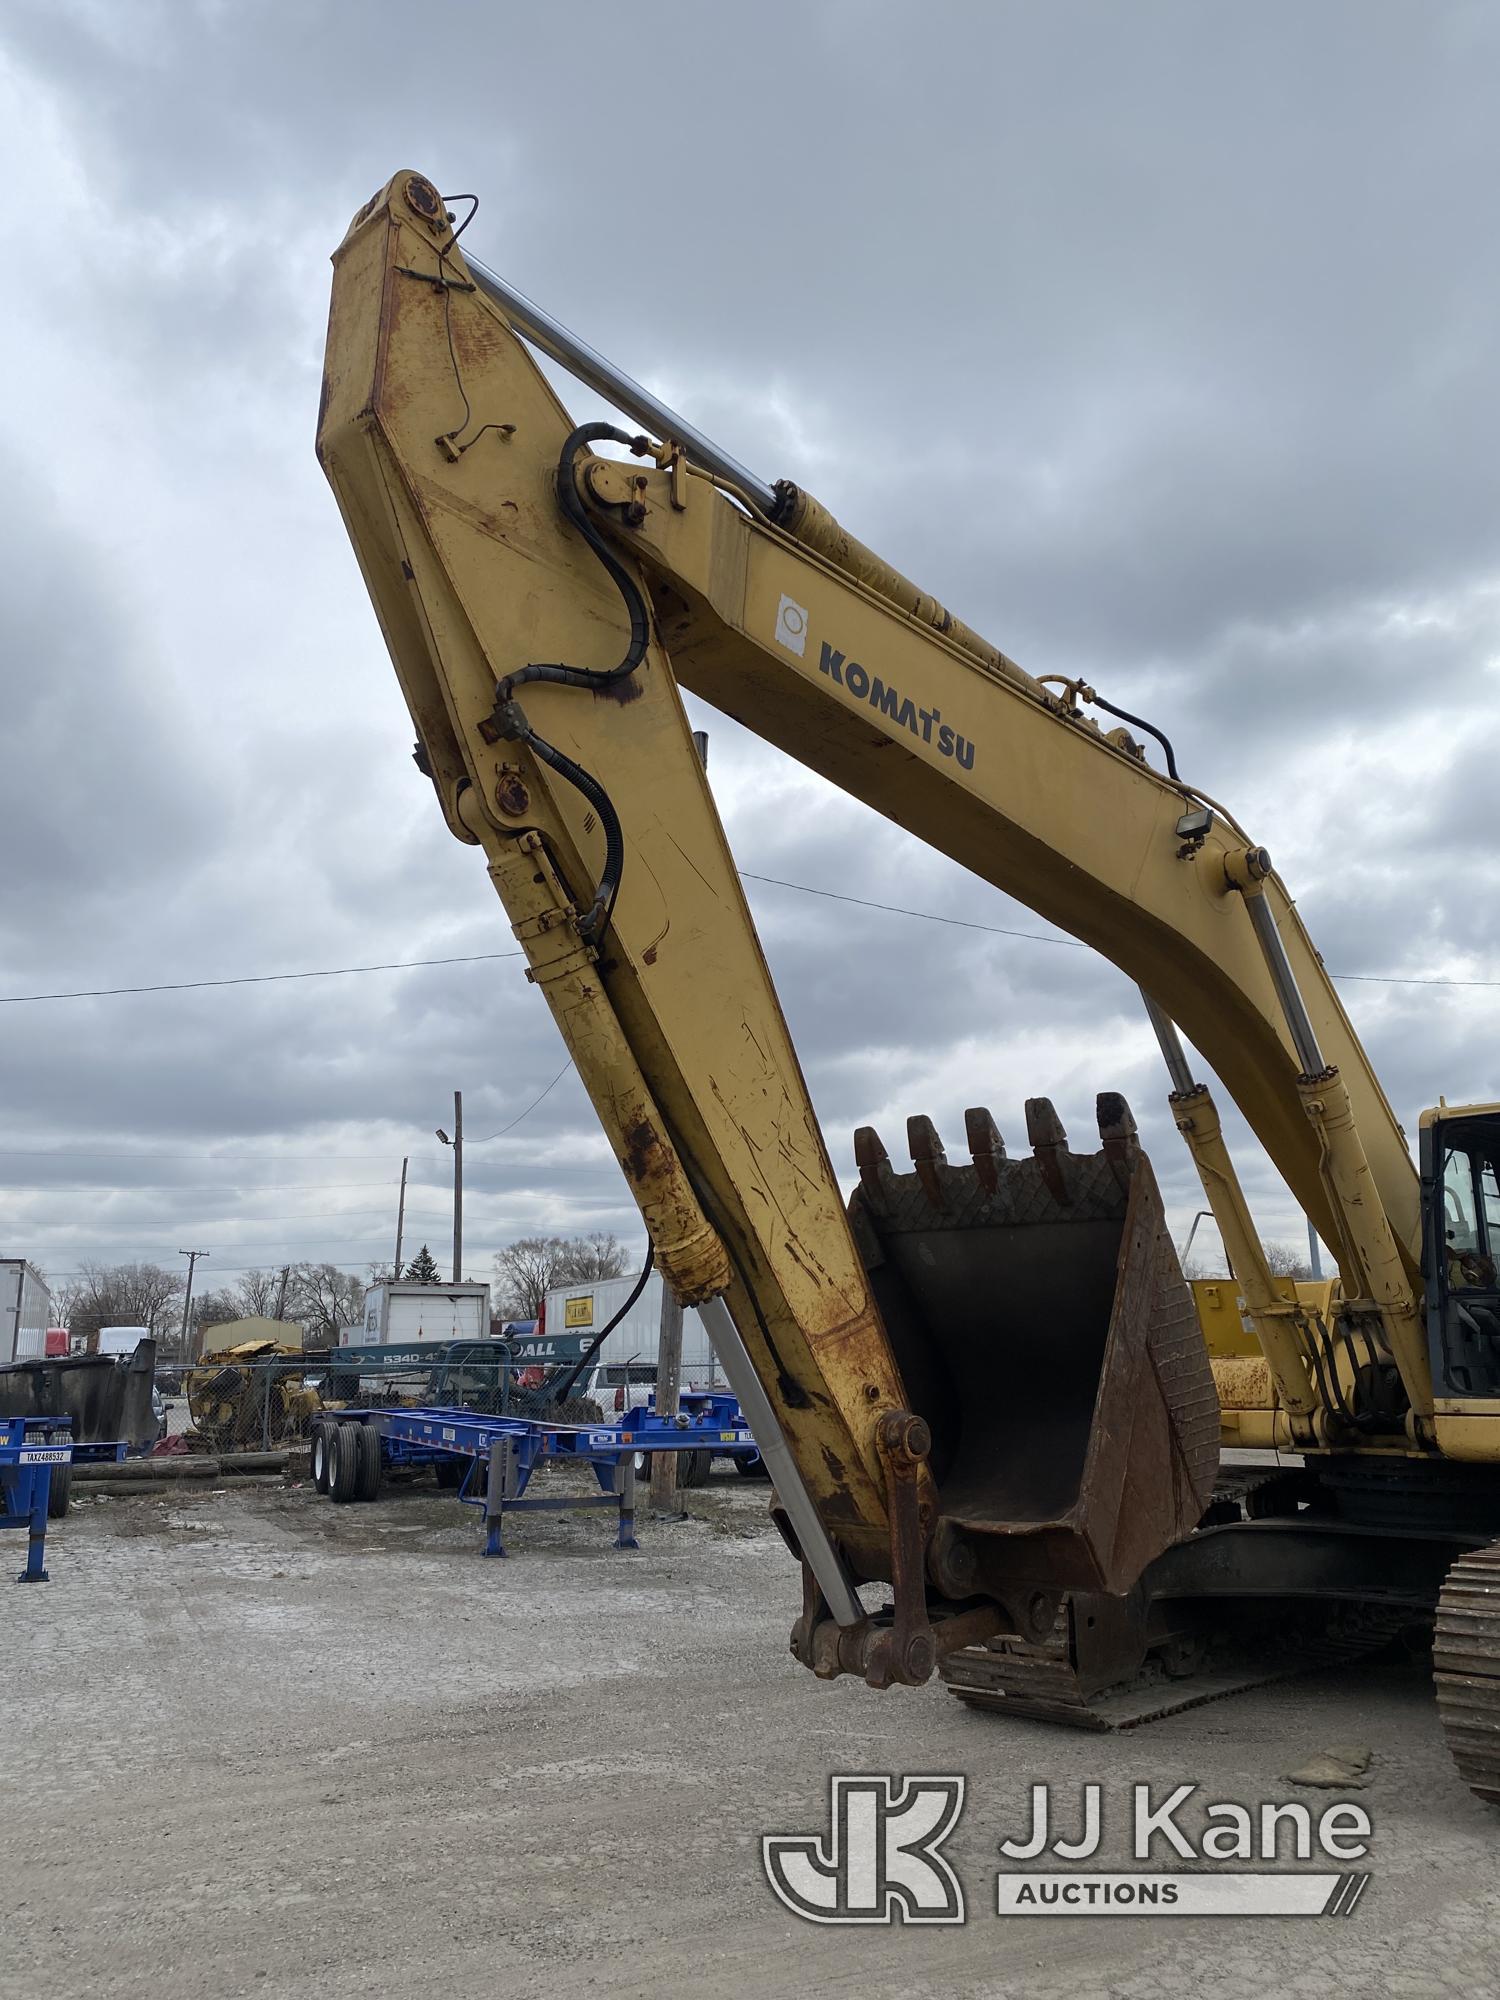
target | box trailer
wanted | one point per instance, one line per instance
(573, 1315)
(25, 1310)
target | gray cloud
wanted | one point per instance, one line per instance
(1157, 341)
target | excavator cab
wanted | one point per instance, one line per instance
(1460, 1157)
(1045, 1333)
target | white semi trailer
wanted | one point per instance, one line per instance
(625, 1366)
(25, 1310)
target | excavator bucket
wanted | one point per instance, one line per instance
(1045, 1331)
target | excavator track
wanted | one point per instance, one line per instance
(1041, 1684)
(1466, 1669)
(1041, 1681)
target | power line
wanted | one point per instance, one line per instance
(772, 881)
(153, 1159)
(247, 1188)
(1074, 944)
(927, 916)
(204, 1222)
(254, 978)
(529, 1109)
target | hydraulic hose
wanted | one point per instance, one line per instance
(602, 907)
(564, 1388)
(625, 583)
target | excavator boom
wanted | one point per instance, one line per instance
(986, 1383)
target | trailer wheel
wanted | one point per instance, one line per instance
(693, 1468)
(367, 1483)
(319, 1454)
(449, 1473)
(750, 1465)
(59, 1491)
(343, 1462)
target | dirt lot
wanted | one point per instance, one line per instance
(257, 1744)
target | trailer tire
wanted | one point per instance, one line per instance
(58, 1492)
(318, 1455)
(448, 1471)
(343, 1462)
(368, 1465)
(750, 1465)
(693, 1468)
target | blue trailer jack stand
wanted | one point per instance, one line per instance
(506, 1483)
(29, 1448)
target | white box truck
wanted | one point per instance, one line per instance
(402, 1319)
(25, 1310)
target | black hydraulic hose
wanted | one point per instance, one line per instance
(602, 908)
(564, 1387)
(1140, 722)
(625, 583)
(603, 905)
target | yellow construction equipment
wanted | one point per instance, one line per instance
(982, 1383)
(240, 1398)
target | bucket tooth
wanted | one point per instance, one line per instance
(1117, 1131)
(874, 1164)
(986, 1147)
(928, 1157)
(1049, 1146)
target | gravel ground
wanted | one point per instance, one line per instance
(258, 1744)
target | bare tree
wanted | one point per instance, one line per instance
(67, 1297)
(258, 1293)
(1286, 1261)
(323, 1298)
(215, 1308)
(592, 1258)
(125, 1295)
(526, 1270)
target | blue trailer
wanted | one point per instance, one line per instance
(488, 1460)
(37, 1456)
(31, 1449)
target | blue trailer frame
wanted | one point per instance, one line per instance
(29, 1448)
(503, 1452)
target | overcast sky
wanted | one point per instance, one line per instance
(1158, 340)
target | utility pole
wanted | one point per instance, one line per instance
(669, 1337)
(286, 1274)
(457, 1143)
(1315, 1262)
(668, 1390)
(400, 1220)
(187, 1297)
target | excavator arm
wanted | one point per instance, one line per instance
(543, 606)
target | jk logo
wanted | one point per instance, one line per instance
(880, 1863)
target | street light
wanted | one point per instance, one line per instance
(1203, 1215)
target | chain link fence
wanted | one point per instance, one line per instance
(230, 1402)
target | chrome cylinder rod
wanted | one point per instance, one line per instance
(1299, 1025)
(1170, 1044)
(590, 366)
(823, 1558)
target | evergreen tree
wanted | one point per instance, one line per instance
(422, 1270)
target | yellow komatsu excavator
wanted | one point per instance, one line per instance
(982, 1384)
